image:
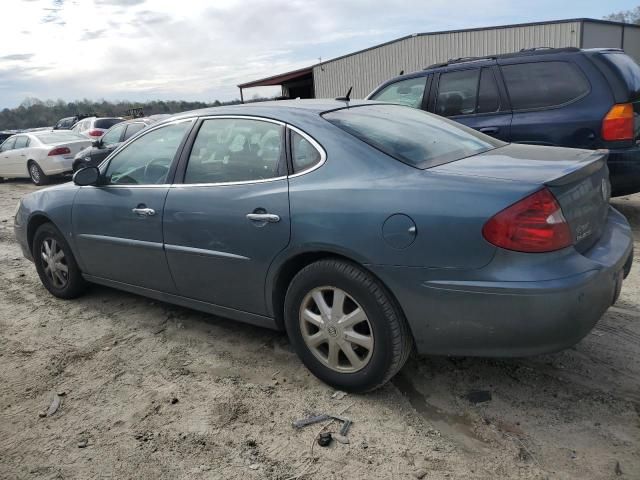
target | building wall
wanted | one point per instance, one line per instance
(367, 69)
(632, 42)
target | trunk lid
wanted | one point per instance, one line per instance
(75, 146)
(579, 179)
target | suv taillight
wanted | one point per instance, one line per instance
(59, 151)
(95, 133)
(535, 224)
(618, 123)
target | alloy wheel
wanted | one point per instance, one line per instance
(336, 329)
(35, 174)
(55, 263)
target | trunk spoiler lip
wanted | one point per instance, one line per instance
(587, 167)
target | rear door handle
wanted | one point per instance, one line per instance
(489, 130)
(143, 211)
(263, 217)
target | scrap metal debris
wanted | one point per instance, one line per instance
(324, 439)
(55, 404)
(311, 420)
(338, 395)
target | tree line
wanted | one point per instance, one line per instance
(34, 112)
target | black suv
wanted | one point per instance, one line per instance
(566, 97)
(67, 123)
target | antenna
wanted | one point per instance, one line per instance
(347, 97)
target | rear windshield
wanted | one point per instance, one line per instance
(412, 136)
(106, 123)
(628, 69)
(58, 137)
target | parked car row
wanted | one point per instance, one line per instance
(40, 155)
(86, 142)
(561, 97)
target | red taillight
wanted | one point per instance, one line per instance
(95, 133)
(59, 151)
(534, 224)
(618, 124)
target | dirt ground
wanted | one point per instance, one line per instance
(157, 391)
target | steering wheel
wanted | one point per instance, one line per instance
(154, 172)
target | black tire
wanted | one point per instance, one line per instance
(392, 340)
(36, 174)
(75, 284)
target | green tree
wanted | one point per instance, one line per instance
(626, 16)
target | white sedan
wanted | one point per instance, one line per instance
(40, 155)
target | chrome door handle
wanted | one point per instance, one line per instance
(263, 217)
(144, 212)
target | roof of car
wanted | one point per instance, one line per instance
(281, 109)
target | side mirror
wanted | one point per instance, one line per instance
(86, 176)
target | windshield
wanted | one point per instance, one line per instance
(412, 136)
(58, 137)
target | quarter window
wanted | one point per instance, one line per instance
(304, 154)
(544, 84)
(146, 160)
(406, 92)
(235, 150)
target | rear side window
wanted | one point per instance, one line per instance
(21, 142)
(412, 136)
(132, 129)
(488, 96)
(235, 150)
(405, 92)
(106, 123)
(544, 84)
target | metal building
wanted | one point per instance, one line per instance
(365, 69)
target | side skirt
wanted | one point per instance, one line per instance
(245, 317)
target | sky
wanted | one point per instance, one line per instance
(201, 49)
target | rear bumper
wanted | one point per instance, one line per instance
(57, 165)
(519, 304)
(624, 171)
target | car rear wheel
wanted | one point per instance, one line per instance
(55, 263)
(345, 327)
(37, 175)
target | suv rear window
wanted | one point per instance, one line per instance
(544, 84)
(106, 123)
(412, 136)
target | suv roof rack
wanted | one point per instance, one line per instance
(523, 52)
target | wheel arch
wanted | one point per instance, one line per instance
(36, 221)
(289, 268)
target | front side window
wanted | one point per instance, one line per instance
(8, 144)
(146, 160)
(304, 154)
(412, 136)
(112, 136)
(544, 84)
(21, 142)
(457, 93)
(406, 92)
(235, 150)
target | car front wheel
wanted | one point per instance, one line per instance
(345, 327)
(55, 263)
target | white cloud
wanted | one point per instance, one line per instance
(199, 49)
